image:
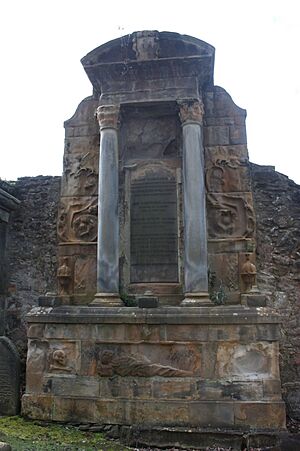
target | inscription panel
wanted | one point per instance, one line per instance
(154, 232)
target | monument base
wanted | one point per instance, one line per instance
(107, 300)
(202, 438)
(198, 367)
(196, 300)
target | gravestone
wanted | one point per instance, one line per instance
(8, 203)
(9, 378)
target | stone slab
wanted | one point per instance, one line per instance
(260, 415)
(147, 302)
(9, 378)
(37, 406)
(68, 385)
(216, 135)
(165, 413)
(5, 446)
(164, 315)
(208, 438)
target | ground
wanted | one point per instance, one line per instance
(30, 435)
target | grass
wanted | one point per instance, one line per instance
(30, 435)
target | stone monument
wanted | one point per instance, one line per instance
(9, 357)
(156, 210)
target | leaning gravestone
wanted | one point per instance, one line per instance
(9, 378)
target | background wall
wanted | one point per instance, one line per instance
(32, 248)
(31, 252)
(277, 206)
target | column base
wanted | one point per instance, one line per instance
(254, 298)
(196, 300)
(107, 300)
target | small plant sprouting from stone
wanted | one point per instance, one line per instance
(219, 297)
(216, 289)
(129, 301)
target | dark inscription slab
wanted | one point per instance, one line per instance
(9, 378)
(153, 231)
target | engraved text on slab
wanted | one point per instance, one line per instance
(154, 234)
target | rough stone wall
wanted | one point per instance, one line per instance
(277, 206)
(31, 251)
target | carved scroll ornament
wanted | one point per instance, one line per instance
(80, 174)
(77, 220)
(227, 175)
(230, 216)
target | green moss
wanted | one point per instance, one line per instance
(28, 435)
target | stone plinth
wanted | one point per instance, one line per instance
(179, 366)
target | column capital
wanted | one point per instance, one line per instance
(108, 116)
(191, 111)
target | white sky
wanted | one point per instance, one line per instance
(42, 79)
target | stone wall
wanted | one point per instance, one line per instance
(31, 251)
(277, 206)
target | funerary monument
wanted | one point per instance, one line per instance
(158, 320)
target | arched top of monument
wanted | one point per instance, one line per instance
(144, 57)
(148, 45)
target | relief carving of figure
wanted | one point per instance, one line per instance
(64, 276)
(59, 361)
(146, 45)
(85, 174)
(248, 273)
(110, 364)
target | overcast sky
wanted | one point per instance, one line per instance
(42, 80)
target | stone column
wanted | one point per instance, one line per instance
(195, 233)
(108, 218)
